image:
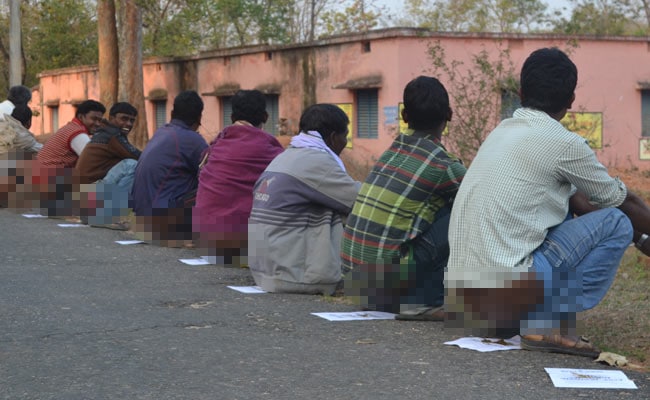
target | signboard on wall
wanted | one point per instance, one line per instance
(589, 125)
(644, 149)
(347, 109)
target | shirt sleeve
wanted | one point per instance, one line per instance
(79, 142)
(128, 147)
(335, 189)
(580, 167)
(453, 176)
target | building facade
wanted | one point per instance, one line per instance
(365, 74)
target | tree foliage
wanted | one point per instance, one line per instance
(56, 34)
(475, 90)
(606, 18)
(476, 15)
(358, 16)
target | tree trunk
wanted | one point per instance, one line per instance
(131, 87)
(15, 59)
(108, 52)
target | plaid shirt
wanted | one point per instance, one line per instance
(517, 188)
(399, 200)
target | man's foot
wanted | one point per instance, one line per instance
(574, 345)
(426, 313)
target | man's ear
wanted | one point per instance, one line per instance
(450, 114)
(573, 98)
(266, 117)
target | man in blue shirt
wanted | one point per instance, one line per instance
(166, 175)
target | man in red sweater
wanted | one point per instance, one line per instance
(60, 154)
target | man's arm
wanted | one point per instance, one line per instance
(639, 213)
(579, 204)
(79, 142)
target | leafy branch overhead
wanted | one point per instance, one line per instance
(476, 90)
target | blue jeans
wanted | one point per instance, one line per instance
(577, 262)
(113, 193)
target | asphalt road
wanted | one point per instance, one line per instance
(82, 317)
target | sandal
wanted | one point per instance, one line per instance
(558, 344)
(426, 313)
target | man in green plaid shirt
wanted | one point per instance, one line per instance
(395, 245)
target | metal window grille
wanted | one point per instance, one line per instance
(367, 113)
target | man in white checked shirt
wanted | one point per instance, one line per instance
(538, 227)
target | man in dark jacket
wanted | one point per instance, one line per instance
(109, 161)
(109, 155)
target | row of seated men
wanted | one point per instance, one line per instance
(523, 240)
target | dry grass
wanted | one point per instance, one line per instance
(621, 322)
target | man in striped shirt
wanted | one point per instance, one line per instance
(520, 262)
(395, 242)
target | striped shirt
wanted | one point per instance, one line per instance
(57, 152)
(517, 188)
(399, 200)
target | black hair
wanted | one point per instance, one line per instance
(326, 119)
(23, 114)
(19, 95)
(188, 107)
(88, 106)
(548, 80)
(249, 105)
(123, 108)
(426, 103)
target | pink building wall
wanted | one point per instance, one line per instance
(612, 72)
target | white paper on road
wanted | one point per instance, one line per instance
(194, 261)
(487, 344)
(128, 242)
(34, 216)
(589, 378)
(354, 316)
(247, 289)
(72, 225)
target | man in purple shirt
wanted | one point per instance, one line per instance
(166, 175)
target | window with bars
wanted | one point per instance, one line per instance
(160, 111)
(272, 108)
(645, 113)
(367, 113)
(226, 110)
(510, 101)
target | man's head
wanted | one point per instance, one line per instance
(123, 116)
(188, 107)
(328, 120)
(426, 104)
(23, 114)
(548, 82)
(90, 113)
(250, 106)
(19, 95)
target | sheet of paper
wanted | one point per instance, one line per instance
(34, 216)
(487, 344)
(247, 289)
(354, 316)
(194, 261)
(128, 242)
(589, 378)
(72, 225)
